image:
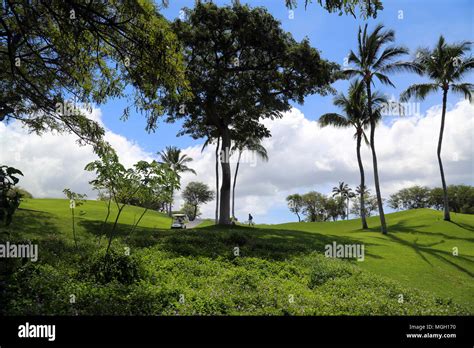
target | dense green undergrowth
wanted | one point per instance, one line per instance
(195, 272)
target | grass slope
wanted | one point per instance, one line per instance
(280, 269)
(417, 252)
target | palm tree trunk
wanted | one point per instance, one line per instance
(233, 186)
(347, 216)
(447, 216)
(374, 160)
(217, 180)
(362, 183)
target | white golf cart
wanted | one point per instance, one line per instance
(179, 221)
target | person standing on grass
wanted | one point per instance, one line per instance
(250, 219)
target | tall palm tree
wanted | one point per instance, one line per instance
(250, 144)
(355, 115)
(445, 65)
(372, 62)
(178, 162)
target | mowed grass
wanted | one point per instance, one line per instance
(417, 252)
(276, 263)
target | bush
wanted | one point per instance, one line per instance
(115, 266)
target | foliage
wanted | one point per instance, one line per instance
(314, 204)
(60, 57)
(116, 266)
(410, 198)
(191, 211)
(197, 193)
(295, 204)
(367, 8)
(19, 191)
(370, 205)
(9, 198)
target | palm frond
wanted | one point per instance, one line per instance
(418, 91)
(464, 88)
(333, 119)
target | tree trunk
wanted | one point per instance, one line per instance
(374, 160)
(105, 221)
(170, 205)
(113, 229)
(217, 180)
(362, 183)
(298, 215)
(136, 224)
(224, 212)
(233, 185)
(195, 212)
(347, 217)
(447, 216)
(74, 228)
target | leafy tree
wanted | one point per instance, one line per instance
(190, 211)
(9, 200)
(75, 200)
(197, 193)
(314, 206)
(446, 65)
(355, 115)
(372, 61)
(21, 192)
(367, 8)
(334, 207)
(122, 184)
(461, 198)
(57, 51)
(371, 205)
(253, 145)
(410, 198)
(295, 203)
(177, 161)
(157, 183)
(242, 68)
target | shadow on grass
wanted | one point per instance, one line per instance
(220, 241)
(439, 254)
(402, 227)
(28, 223)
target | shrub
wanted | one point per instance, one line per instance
(114, 266)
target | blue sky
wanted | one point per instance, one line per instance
(423, 21)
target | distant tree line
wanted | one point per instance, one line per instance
(461, 198)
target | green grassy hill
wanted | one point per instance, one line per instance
(417, 252)
(280, 269)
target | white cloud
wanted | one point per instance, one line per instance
(53, 161)
(303, 157)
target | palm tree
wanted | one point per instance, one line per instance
(355, 115)
(250, 144)
(177, 161)
(343, 190)
(370, 62)
(445, 65)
